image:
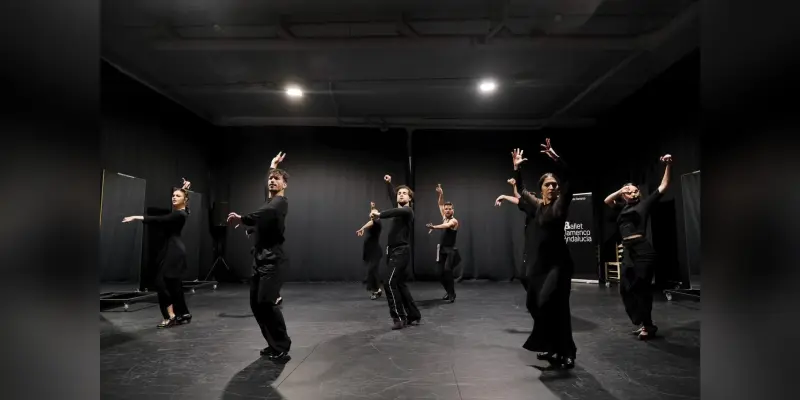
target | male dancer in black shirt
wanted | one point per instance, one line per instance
(401, 305)
(269, 262)
(447, 256)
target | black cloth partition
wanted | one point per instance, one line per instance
(120, 247)
(691, 215)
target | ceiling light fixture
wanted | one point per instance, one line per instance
(294, 91)
(487, 86)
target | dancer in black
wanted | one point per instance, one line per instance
(372, 253)
(551, 270)
(530, 211)
(638, 255)
(269, 262)
(171, 260)
(447, 255)
(401, 305)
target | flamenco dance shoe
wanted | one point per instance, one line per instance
(281, 357)
(413, 321)
(397, 324)
(184, 319)
(376, 295)
(168, 323)
(648, 333)
(558, 363)
(267, 351)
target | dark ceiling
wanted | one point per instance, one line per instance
(389, 63)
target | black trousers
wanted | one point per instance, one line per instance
(170, 293)
(447, 260)
(372, 263)
(636, 289)
(401, 304)
(265, 288)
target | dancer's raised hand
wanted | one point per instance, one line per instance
(548, 149)
(234, 218)
(387, 178)
(439, 188)
(666, 159)
(512, 182)
(186, 184)
(516, 156)
(277, 160)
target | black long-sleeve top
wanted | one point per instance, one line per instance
(547, 237)
(400, 231)
(372, 245)
(632, 219)
(530, 214)
(269, 222)
(171, 259)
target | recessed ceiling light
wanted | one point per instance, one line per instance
(487, 86)
(294, 91)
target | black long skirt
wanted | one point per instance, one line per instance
(548, 304)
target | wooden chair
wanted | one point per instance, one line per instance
(613, 268)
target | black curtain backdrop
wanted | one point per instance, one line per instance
(334, 174)
(149, 136)
(473, 171)
(120, 247)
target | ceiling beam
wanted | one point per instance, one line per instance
(407, 122)
(379, 43)
(685, 21)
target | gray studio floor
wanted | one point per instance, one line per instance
(343, 348)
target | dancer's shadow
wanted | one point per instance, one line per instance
(226, 315)
(564, 383)
(428, 304)
(111, 335)
(255, 381)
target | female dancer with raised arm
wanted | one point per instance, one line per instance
(372, 253)
(171, 260)
(638, 256)
(551, 267)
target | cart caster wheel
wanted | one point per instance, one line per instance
(214, 287)
(669, 296)
(125, 306)
(192, 290)
(608, 284)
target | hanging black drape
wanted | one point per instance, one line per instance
(121, 244)
(691, 217)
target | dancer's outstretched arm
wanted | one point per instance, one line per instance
(390, 191)
(653, 198)
(441, 199)
(369, 223)
(517, 159)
